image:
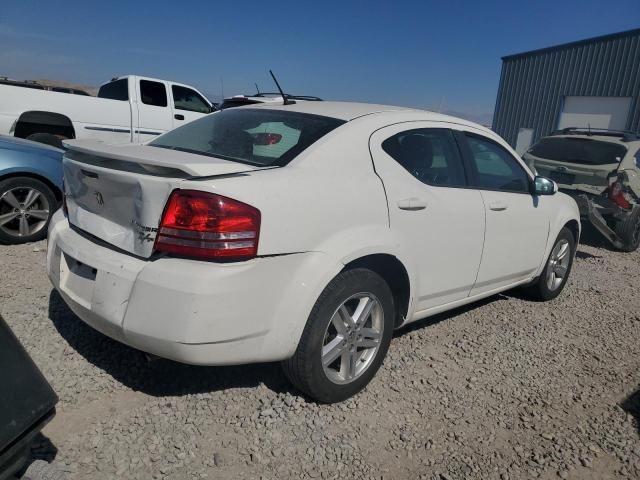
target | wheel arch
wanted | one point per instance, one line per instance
(37, 121)
(393, 271)
(35, 176)
(574, 227)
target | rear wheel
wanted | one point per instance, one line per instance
(557, 269)
(48, 139)
(346, 337)
(26, 207)
(629, 231)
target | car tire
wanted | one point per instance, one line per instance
(12, 213)
(47, 139)
(629, 231)
(41, 470)
(334, 327)
(557, 268)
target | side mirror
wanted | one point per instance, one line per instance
(544, 186)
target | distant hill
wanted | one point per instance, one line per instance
(485, 119)
(61, 83)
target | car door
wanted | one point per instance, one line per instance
(154, 113)
(188, 105)
(517, 224)
(440, 221)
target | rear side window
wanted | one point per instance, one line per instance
(254, 136)
(187, 99)
(429, 154)
(117, 90)
(494, 168)
(153, 93)
(584, 151)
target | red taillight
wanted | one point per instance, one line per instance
(266, 138)
(616, 195)
(206, 225)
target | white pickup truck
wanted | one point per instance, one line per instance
(129, 109)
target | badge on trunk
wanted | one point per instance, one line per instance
(99, 198)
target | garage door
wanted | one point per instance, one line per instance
(596, 112)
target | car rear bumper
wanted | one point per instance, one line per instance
(186, 310)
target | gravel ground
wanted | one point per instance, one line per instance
(502, 389)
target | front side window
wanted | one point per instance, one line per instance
(246, 135)
(116, 90)
(429, 154)
(153, 93)
(187, 99)
(494, 167)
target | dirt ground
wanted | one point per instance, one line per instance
(503, 389)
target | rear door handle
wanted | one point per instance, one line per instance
(412, 204)
(178, 116)
(498, 206)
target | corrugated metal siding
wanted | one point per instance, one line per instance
(533, 85)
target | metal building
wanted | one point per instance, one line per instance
(591, 83)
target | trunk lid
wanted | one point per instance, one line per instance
(118, 193)
(577, 163)
(587, 178)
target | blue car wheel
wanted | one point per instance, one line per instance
(26, 207)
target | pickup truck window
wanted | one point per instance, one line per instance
(117, 90)
(153, 93)
(187, 99)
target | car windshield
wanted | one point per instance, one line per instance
(253, 136)
(583, 151)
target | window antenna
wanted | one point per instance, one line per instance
(284, 96)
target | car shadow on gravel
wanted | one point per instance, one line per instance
(632, 406)
(158, 377)
(593, 238)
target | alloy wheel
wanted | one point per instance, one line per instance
(352, 338)
(24, 211)
(558, 266)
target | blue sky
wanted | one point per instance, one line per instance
(439, 55)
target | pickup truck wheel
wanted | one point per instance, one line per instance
(41, 470)
(26, 207)
(557, 269)
(345, 339)
(48, 139)
(629, 231)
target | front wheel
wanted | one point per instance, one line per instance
(26, 207)
(557, 269)
(345, 339)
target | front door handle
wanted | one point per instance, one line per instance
(178, 116)
(498, 206)
(412, 204)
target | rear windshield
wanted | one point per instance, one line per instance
(236, 102)
(584, 151)
(116, 90)
(252, 136)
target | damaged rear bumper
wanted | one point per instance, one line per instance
(595, 208)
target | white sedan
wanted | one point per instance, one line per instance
(303, 233)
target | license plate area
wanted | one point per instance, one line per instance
(77, 279)
(562, 177)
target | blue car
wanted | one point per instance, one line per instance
(30, 188)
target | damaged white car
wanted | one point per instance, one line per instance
(303, 233)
